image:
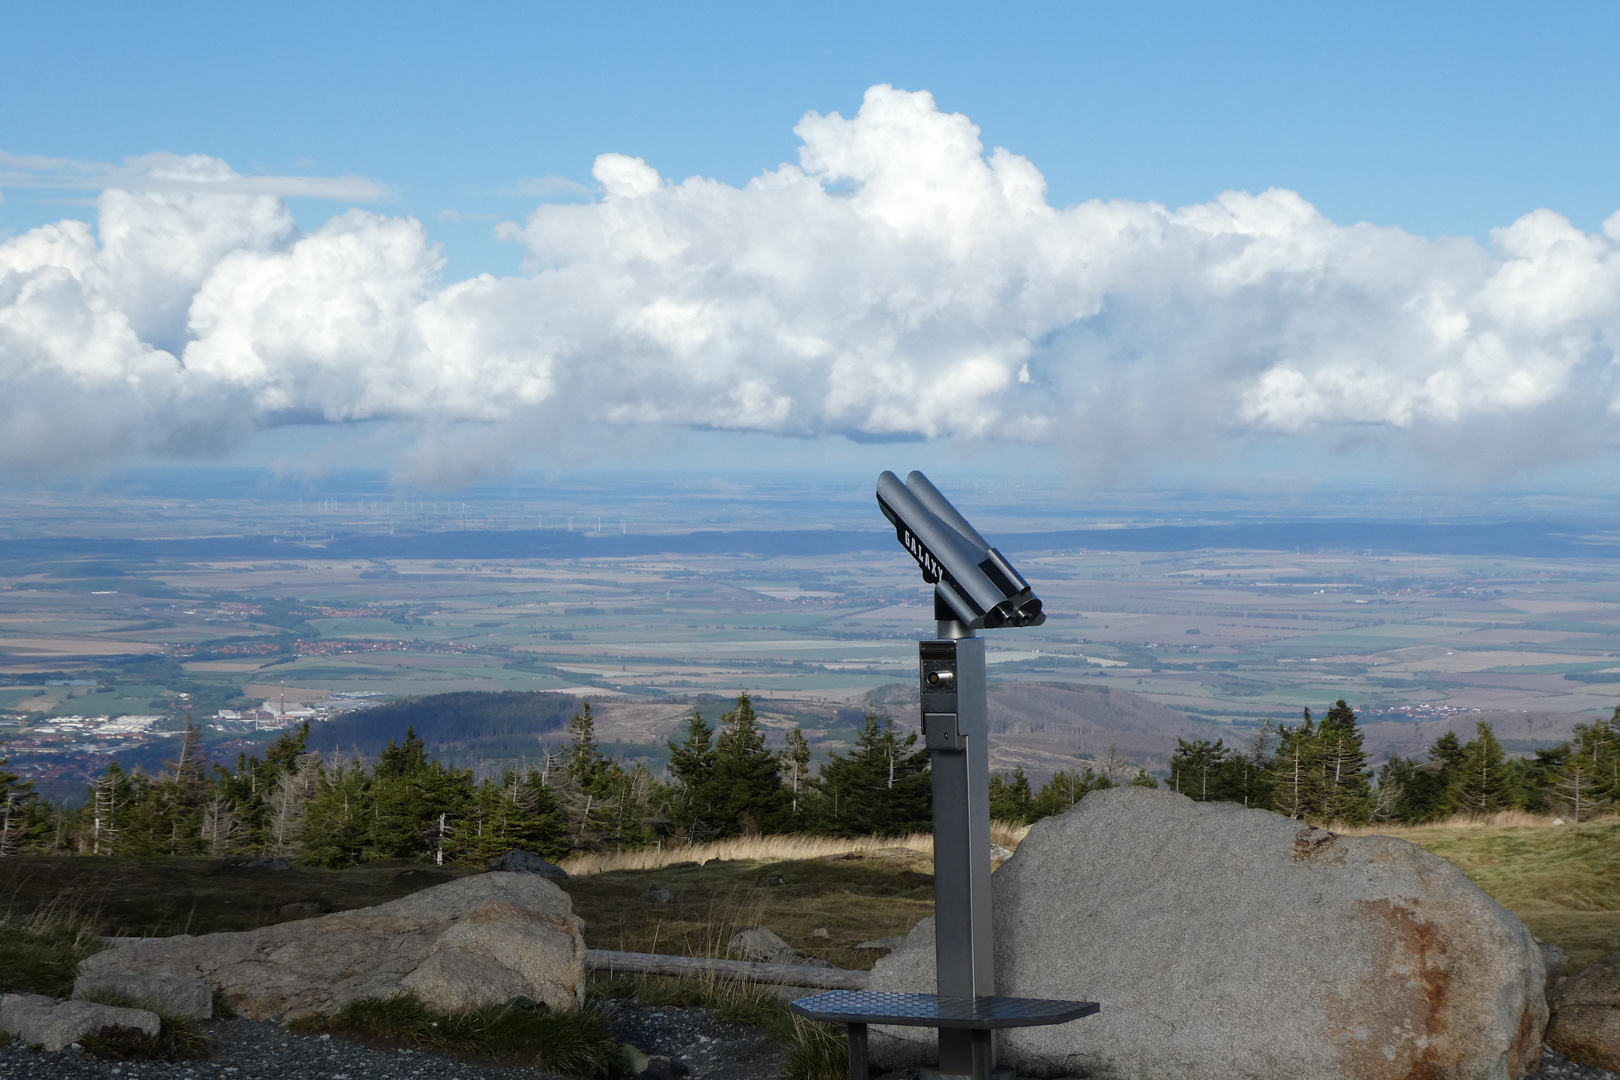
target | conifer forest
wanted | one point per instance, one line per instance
(722, 781)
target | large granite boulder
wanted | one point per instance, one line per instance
(1585, 1023)
(1233, 944)
(475, 941)
(55, 1025)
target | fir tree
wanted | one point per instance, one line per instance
(1341, 767)
(883, 786)
(1294, 775)
(20, 817)
(1010, 798)
(691, 763)
(1059, 794)
(1481, 778)
(1142, 779)
(796, 767)
(1195, 765)
(749, 797)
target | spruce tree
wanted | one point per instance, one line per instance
(1341, 766)
(1010, 798)
(339, 815)
(1197, 769)
(691, 763)
(1295, 781)
(796, 769)
(883, 786)
(749, 797)
(1142, 779)
(19, 814)
(1059, 794)
(1481, 778)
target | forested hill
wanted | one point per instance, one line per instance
(472, 723)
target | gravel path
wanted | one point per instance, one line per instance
(262, 1050)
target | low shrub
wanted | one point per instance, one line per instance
(40, 953)
(179, 1038)
(577, 1042)
(815, 1051)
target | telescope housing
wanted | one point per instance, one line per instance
(971, 579)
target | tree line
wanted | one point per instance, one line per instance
(333, 810)
(722, 781)
(1317, 770)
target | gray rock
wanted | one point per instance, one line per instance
(172, 994)
(1586, 1015)
(657, 894)
(518, 861)
(274, 866)
(54, 1025)
(303, 909)
(475, 941)
(890, 943)
(1233, 944)
(1552, 958)
(763, 946)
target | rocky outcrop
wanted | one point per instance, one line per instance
(1233, 944)
(763, 946)
(55, 1025)
(475, 941)
(518, 861)
(1585, 1023)
(171, 994)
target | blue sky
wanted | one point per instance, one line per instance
(1436, 120)
(1439, 118)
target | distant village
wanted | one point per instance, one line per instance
(57, 748)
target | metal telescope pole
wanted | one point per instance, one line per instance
(956, 729)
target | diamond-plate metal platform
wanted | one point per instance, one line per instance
(931, 1010)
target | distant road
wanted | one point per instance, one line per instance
(1522, 539)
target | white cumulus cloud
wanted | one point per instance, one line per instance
(898, 281)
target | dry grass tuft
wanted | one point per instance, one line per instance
(40, 951)
(768, 849)
(1502, 819)
(760, 849)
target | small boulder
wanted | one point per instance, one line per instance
(660, 1067)
(821, 933)
(657, 894)
(763, 946)
(889, 943)
(303, 909)
(269, 866)
(418, 878)
(56, 1025)
(1552, 958)
(1585, 1023)
(1232, 944)
(480, 940)
(172, 994)
(518, 861)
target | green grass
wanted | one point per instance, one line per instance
(179, 1038)
(40, 952)
(853, 898)
(1563, 881)
(162, 896)
(577, 1042)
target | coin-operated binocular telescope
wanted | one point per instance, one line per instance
(973, 583)
(975, 587)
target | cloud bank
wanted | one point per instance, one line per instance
(897, 283)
